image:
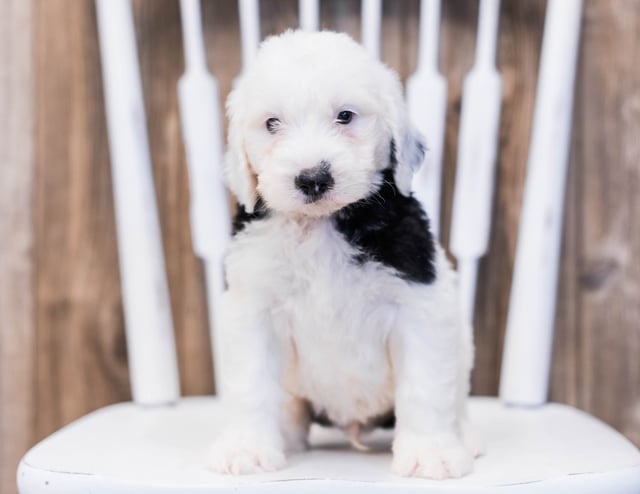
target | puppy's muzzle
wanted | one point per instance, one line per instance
(315, 182)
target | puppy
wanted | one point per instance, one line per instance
(341, 307)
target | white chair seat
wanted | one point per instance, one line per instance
(133, 449)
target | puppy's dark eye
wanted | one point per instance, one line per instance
(272, 125)
(344, 117)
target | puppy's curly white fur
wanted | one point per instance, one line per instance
(340, 306)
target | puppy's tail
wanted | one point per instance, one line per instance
(354, 431)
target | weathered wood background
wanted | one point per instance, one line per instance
(62, 346)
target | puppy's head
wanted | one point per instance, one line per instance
(312, 122)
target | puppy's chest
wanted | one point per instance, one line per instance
(318, 274)
(333, 316)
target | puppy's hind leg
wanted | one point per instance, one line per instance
(296, 423)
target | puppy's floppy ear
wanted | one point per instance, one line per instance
(239, 175)
(407, 147)
(407, 151)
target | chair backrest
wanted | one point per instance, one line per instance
(526, 359)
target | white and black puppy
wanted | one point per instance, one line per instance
(340, 307)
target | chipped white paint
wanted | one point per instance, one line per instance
(249, 12)
(477, 154)
(147, 308)
(530, 322)
(427, 105)
(129, 449)
(371, 16)
(201, 121)
(309, 11)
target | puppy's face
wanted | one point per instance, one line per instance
(312, 123)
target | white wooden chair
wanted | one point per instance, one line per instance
(158, 442)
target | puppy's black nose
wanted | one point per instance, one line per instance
(314, 182)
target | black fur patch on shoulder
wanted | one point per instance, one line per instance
(242, 218)
(392, 229)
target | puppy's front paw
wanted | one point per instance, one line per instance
(421, 456)
(240, 453)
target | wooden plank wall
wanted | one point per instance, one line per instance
(17, 328)
(62, 346)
